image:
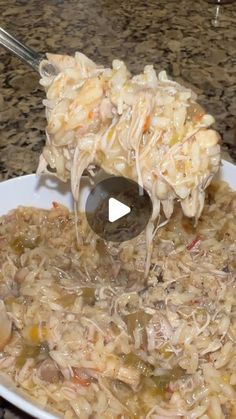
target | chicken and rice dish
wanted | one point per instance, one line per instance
(83, 333)
(140, 329)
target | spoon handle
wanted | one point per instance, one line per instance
(20, 50)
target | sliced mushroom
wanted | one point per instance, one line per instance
(21, 274)
(48, 371)
(5, 326)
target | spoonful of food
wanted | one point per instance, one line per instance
(145, 127)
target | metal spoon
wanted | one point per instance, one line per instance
(26, 54)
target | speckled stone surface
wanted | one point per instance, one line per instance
(193, 40)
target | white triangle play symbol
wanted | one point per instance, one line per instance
(116, 210)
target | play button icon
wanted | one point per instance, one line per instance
(118, 209)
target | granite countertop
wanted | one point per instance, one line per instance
(194, 41)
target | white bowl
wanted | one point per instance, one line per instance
(40, 192)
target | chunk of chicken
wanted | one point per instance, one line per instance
(128, 375)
